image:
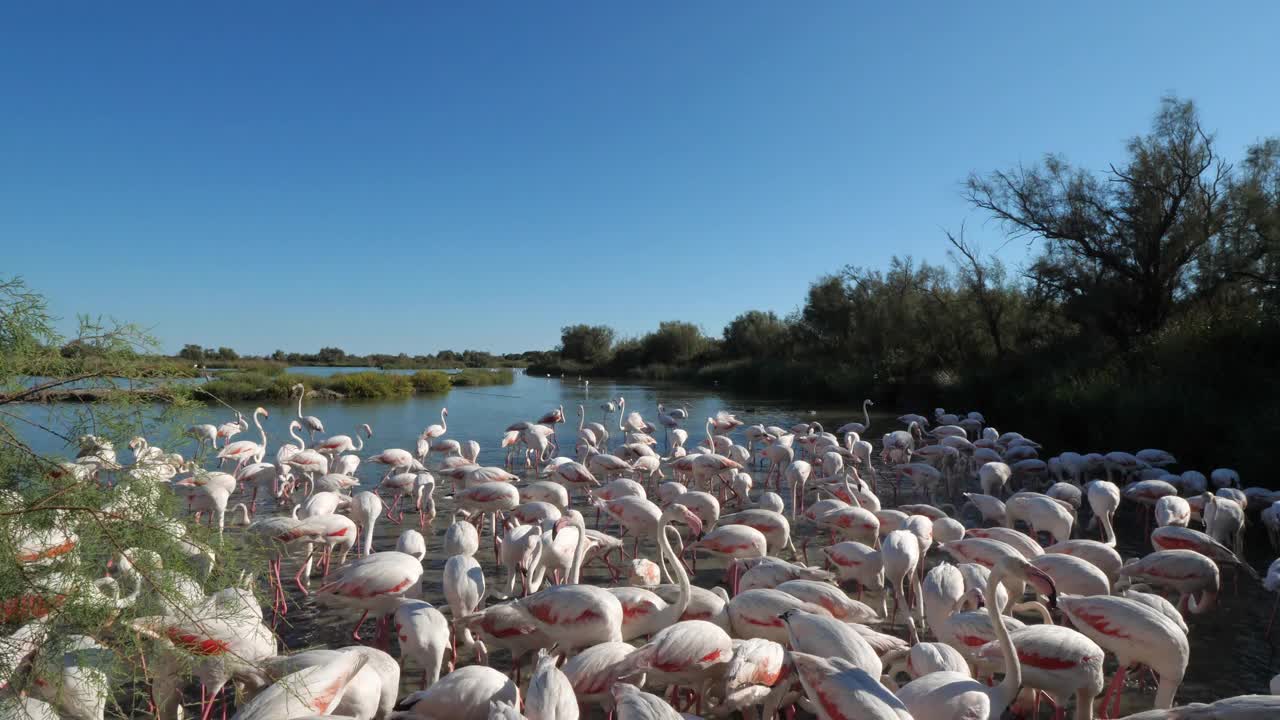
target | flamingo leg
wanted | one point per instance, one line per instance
(355, 634)
(1117, 681)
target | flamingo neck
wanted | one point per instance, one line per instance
(1107, 529)
(1084, 705)
(675, 611)
(866, 418)
(444, 420)
(260, 430)
(301, 392)
(579, 552)
(301, 445)
(359, 439)
(1004, 693)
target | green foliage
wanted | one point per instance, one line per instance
(63, 516)
(368, 385)
(259, 386)
(756, 334)
(588, 344)
(674, 342)
(430, 381)
(479, 378)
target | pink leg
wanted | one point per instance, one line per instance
(298, 580)
(1117, 681)
(355, 634)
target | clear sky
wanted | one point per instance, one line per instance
(418, 176)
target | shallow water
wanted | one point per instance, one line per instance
(1229, 654)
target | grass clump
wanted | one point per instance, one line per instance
(430, 381)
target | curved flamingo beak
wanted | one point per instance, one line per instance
(1044, 584)
(561, 524)
(694, 522)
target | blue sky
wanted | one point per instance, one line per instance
(421, 176)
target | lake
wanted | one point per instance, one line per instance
(1229, 653)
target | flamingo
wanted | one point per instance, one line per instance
(1058, 660)
(365, 509)
(756, 666)
(396, 459)
(1136, 634)
(690, 652)
(423, 632)
(203, 434)
(464, 694)
(225, 633)
(576, 615)
(464, 590)
(735, 542)
(901, 555)
(488, 497)
(840, 691)
(1174, 537)
(434, 431)
(373, 584)
(829, 638)
(550, 695)
(590, 672)
(634, 704)
(950, 695)
(310, 422)
(646, 612)
(1192, 575)
(317, 689)
(1172, 510)
(337, 444)
(1104, 498)
(226, 431)
(243, 451)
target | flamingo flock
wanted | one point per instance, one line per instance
(967, 575)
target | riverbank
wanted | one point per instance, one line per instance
(1206, 392)
(366, 385)
(278, 387)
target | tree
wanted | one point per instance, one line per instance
(674, 342)
(826, 321)
(1121, 248)
(191, 351)
(979, 276)
(66, 513)
(226, 353)
(331, 355)
(755, 334)
(589, 344)
(279, 356)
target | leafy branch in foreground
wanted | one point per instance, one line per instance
(94, 548)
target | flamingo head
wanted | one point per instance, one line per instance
(262, 411)
(680, 513)
(1037, 578)
(564, 522)
(368, 431)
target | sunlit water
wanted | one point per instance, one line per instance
(1229, 654)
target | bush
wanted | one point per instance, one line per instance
(430, 381)
(479, 378)
(369, 385)
(590, 344)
